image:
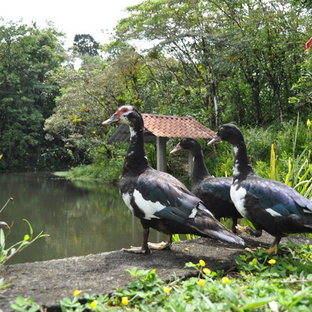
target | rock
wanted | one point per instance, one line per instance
(50, 281)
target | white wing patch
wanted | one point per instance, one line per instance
(273, 213)
(238, 198)
(193, 213)
(126, 198)
(149, 208)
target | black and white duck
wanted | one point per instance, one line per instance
(214, 192)
(270, 205)
(158, 199)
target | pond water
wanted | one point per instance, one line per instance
(80, 218)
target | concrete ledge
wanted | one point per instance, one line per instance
(49, 281)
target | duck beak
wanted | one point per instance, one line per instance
(214, 140)
(176, 149)
(112, 119)
(4, 224)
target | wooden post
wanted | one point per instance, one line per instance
(161, 153)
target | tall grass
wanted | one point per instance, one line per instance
(299, 167)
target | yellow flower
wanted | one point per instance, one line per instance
(206, 270)
(93, 304)
(167, 289)
(272, 261)
(124, 300)
(201, 282)
(310, 256)
(309, 123)
(202, 263)
(225, 280)
(77, 292)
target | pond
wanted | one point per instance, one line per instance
(80, 218)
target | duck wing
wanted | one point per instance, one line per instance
(162, 196)
(165, 197)
(218, 188)
(276, 197)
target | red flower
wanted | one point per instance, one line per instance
(308, 45)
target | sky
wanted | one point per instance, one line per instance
(94, 17)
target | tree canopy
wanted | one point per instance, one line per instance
(27, 55)
(218, 61)
(84, 44)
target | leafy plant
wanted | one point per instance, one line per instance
(25, 304)
(8, 253)
(3, 284)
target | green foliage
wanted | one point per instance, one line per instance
(3, 284)
(234, 60)
(25, 304)
(84, 44)
(217, 61)
(294, 262)
(27, 97)
(7, 253)
(107, 164)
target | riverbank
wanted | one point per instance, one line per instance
(50, 281)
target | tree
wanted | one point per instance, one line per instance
(27, 54)
(85, 45)
(213, 42)
(90, 95)
(184, 30)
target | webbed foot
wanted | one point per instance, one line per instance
(247, 229)
(137, 250)
(274, 247)
(159, 246)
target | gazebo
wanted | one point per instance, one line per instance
(158, 128)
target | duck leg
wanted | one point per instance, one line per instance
(141, 250)
(234, 225)
(274, 247)
(147, 246)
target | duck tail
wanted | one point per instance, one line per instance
(211, 227)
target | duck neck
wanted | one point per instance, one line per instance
(200, 170)
(136, 160)
(242, 167)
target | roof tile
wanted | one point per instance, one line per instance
(173, 126)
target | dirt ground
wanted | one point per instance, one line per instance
(49, 281)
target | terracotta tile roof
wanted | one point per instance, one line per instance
(164, 126)
(173, 126)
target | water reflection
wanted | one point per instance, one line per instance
(80, 218)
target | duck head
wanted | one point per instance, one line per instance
(185, 144)
(126, 114)
(227, 132)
